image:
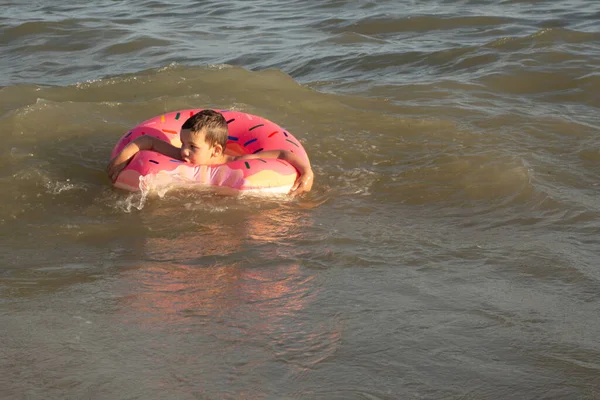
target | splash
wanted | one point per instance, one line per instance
(133, 200)
(56, 187)
(162, 182)
(154, 184)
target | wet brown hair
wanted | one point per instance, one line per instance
(213, 125)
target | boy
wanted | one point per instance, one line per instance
(203, 138)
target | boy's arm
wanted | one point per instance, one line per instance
(304, 181)
(116, 165)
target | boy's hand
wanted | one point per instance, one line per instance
(115, 166)
(303, 183)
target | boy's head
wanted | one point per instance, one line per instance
(203, 138)
(212, 124)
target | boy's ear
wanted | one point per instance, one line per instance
(217, 150)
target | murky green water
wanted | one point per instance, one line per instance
(448, 250)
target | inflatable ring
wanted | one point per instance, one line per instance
(248, 134)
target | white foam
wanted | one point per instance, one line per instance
(56, 187)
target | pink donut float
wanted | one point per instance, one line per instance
(248, 134)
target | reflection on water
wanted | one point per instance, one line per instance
(234, 286)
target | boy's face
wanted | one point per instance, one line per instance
(195, 150)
